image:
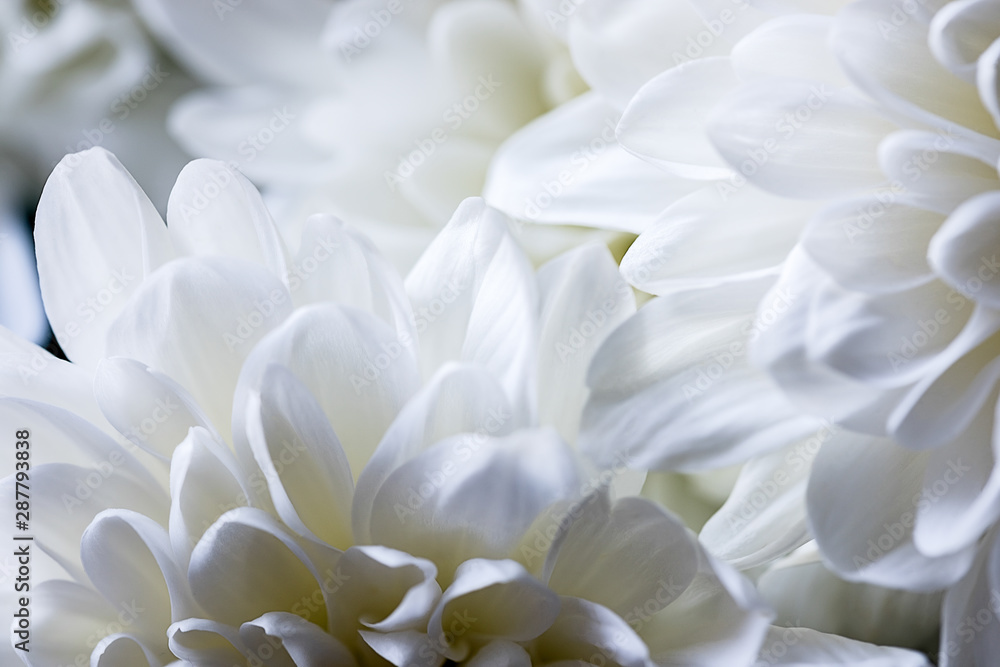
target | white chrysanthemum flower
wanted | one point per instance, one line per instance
(387, 116)
(412, 107)
(265, 454)
(878, 127)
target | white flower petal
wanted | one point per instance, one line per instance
(937, 171)
(305, 466)
(500, 653)
(671, 135)
(682, 634)
(147, 407)
(66, 615)
(198, 639)
(293, 638)
(863, 495)
(765, 514)
(805, 593)
(205, 483)
(97, 237)
(475, 299)
(123, 650)
(408, 648)
(889, 340)
(257, 39)
(671, 387)
(771, 130)
(960, 32)
(970, 634)
(874, 245)
(384, 590)
(484, 41)
(458, 399)
(621, 556)
(816, 389)
(258, 129)
(30, 372)
(945, 401)
(964, 251)
(881, 57)
(445, 178)
(196, 320)
(804, 647)
(336, 262)
(765, 51)
(566, 167)
(617, 46)
(76, 472)
(822, 7)
(129, 559)
(215, 211)
(961, 490)
(717, 234)
(232, 570)
(491, 599)
(988, 81)
(472, 496)
(583, 299)
(589, 632)
(356, 367)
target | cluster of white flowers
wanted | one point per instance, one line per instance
(642, 333)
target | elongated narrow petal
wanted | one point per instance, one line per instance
(476, 300)
(97, 237)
